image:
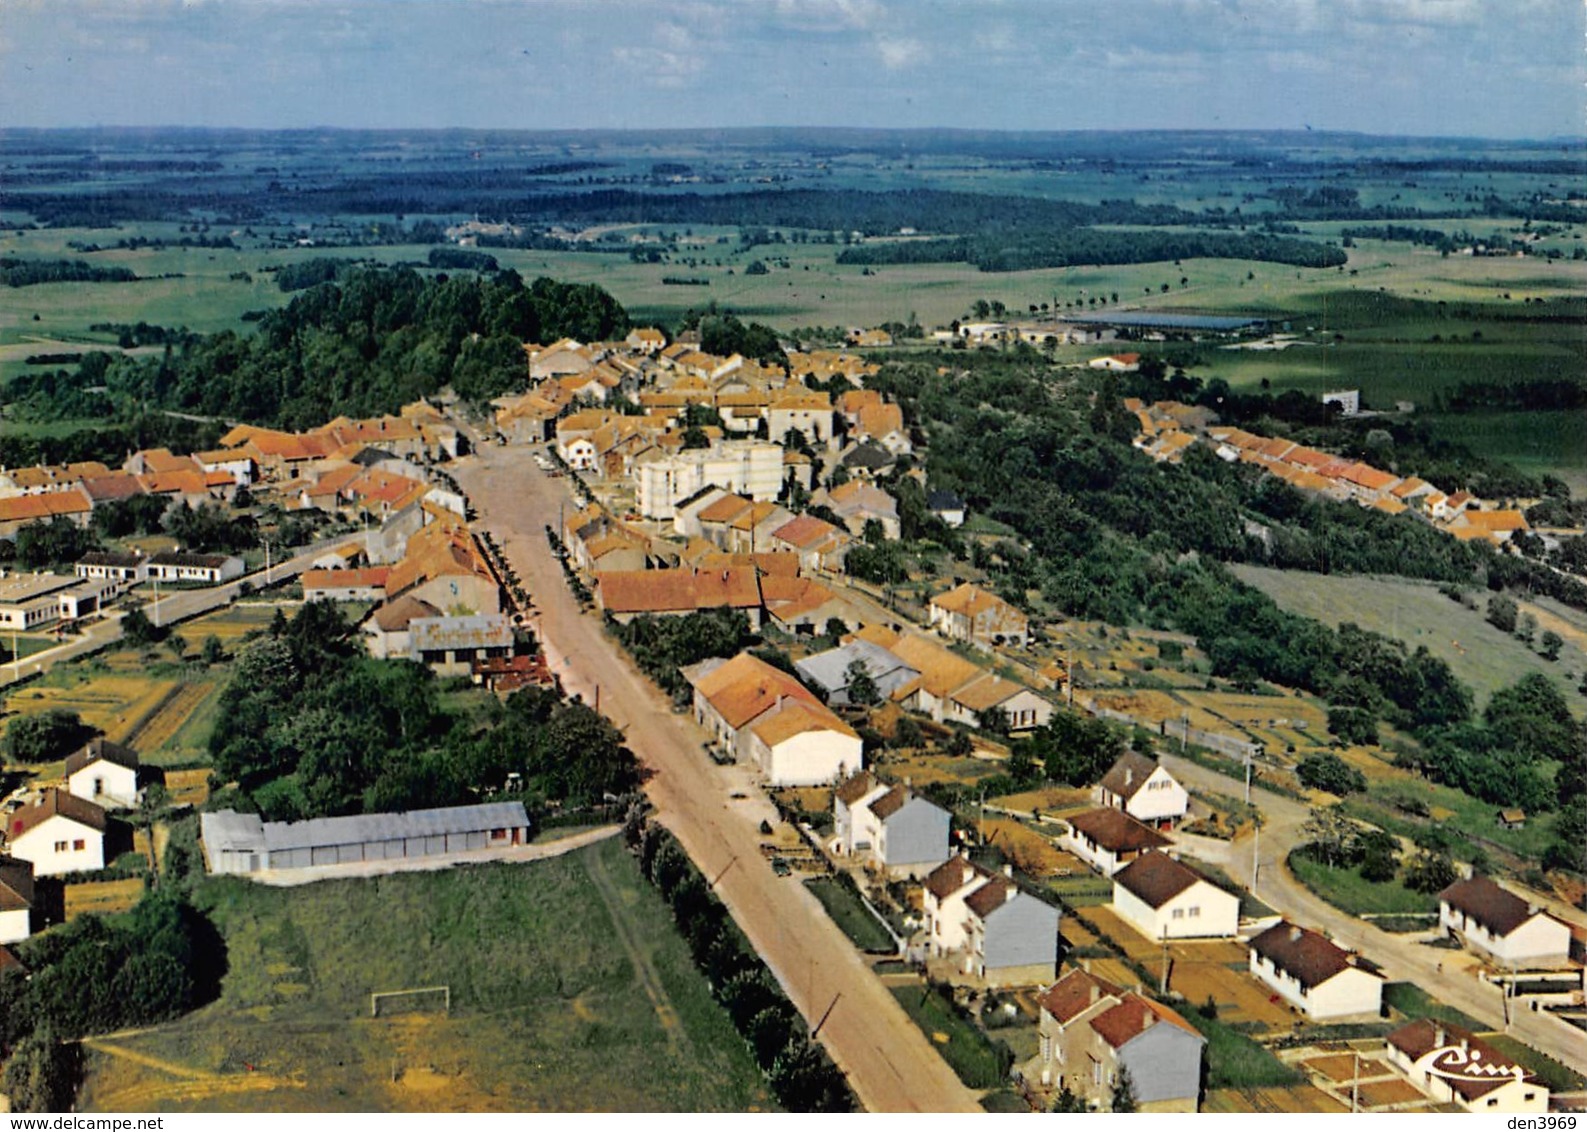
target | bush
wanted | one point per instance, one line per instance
(44, 737)
(1331, 773)
(42, 1074)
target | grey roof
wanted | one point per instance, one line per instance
(245, 831)
(227, 830)
(200, 561)
(479, 631)
(943, 501)
(869, 456)
(830, 669)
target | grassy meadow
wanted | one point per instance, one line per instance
(571, 991)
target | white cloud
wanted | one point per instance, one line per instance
(829, 15)
(898, 54)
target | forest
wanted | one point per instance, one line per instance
(368, 343)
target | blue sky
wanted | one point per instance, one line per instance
(1495, 68)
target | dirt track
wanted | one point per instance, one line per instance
(888, 1061)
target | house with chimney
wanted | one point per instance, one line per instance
(1167, 899)
(58, 833)
(1499, 925)
(890, 828)
(991, 931)
(1144, 789)
(104, 773)
(1108, 839)
(1453, 1066)
(1090, 1031)
(18, 906)
(767, 719)
(1313, 974)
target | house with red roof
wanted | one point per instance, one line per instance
(993, 932)
(1498, 924)
(767, 719)
(59, 833)
(1107, 839)
(1313, 974)
(1091, 1032)
(1167, 899)
(1453, 1066)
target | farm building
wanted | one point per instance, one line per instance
(242, 843)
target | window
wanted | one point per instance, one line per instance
(60, 846)
(1196, 911)
(1493, 1102)
(99, 787)
(1179, 913)
(78, 845)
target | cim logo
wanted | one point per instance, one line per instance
(1454, 1063)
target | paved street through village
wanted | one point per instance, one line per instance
(713, 811)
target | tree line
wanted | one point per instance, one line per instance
(1019, 249)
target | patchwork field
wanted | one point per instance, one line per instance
(1482, 656)
(571, 991)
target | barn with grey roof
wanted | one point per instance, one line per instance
(243, 843)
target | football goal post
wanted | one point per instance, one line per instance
(409, 1000)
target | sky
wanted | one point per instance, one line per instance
(1484, 68)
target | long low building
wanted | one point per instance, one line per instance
(240, 844)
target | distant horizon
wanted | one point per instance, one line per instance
(1433, 68)
(1388, 135)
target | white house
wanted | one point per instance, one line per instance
(174, 566)
(1348, 400)
(1167, 899)
(995, 933)
(1145, 790)
(1491, 920)
(765, 717)
(1117, 363)
(976, 702)
(1452, 1066)
(1107, 839)
(1313, 974)
(946, 506)
(58, 833)
(16, 900)
(104, 773)
(891, 827)
(747, 467)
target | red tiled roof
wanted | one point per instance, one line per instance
(54, 803)
(1495, 908)
(1074, 994)
(1133, 1016)
(1156, 878)
(1117, 832)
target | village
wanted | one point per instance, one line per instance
(1068, 946)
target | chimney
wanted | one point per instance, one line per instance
(1096, 991)
(1129, 776)
(1294, 933)
(1008, 871)
(1438, 1036)
(1147, 1020)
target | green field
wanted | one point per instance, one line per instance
(571, 991)
(1481, 656)
(1234, 1061)
(979, 1062)
(1538, 443)
(1348, 891)
(1413, 1002)
(851, 916)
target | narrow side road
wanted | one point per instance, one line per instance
(1401, 958)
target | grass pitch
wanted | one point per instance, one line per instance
(571, 991)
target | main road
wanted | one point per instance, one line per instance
(1443, 974)
(713, 811)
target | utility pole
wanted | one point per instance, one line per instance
(1256, 855)
(1162, 985)
(156, 606)
(1248, 761)
(1355, 1081)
